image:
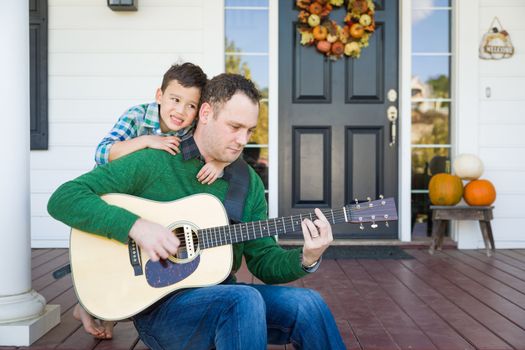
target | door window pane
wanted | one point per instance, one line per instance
(427, 162)
(430, 3)
(246, 3)
(260, 136)
(247, 30)
(430, 31)
(430, 122)
(430, 77)
(254, 68)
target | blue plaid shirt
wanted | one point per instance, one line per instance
(137, 121)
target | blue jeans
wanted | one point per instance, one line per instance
(240, 316)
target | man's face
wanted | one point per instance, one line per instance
(178, 106)
(228, 131)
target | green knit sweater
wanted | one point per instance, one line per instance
(157, 175)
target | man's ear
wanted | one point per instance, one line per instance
(205, 113)
(158, 96)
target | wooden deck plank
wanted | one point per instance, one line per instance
(124, 338)
(513, 254)
(506, 330)
(348, 335)
(345, 302)
(79, 340)
(442, 335)
(519, 251)
(403, 330)
(452, 300)
(504, 257)
(38, 251)
(464, 324)
(140, 346)
(331, 282)
(47, 256)
(49, 267)
(326, 281)
(56, 288)
(484, 295)
(494, 262)
(491, 271)
(486, 280)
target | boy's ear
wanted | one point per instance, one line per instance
(205, 113)
(158, 96)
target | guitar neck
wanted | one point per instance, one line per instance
(246, 231)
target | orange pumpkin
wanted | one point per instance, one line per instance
(320, 32)
(315, 8)
(324, 46)
(479, 193)
(338, 48)
(445, 189)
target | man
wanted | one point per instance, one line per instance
(229, 315)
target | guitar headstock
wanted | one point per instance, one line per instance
(383, 209)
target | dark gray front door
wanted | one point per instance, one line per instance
(334, 135)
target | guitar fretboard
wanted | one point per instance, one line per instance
(246, 231)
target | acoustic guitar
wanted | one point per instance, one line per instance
(115, 281)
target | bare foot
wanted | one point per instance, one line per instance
(98, 329)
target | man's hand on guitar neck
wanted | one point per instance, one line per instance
(317, 237)
(154, 239)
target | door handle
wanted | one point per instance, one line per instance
(391, 114)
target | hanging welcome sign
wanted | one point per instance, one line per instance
(496, 43)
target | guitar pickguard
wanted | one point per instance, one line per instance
(167, 273)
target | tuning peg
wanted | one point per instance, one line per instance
(357, 203)
(386, 220)
(374, 225)
(382, 201)
(361, 227)
(381, 196)
(369, 202)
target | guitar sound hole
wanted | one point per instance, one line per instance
(189, 244)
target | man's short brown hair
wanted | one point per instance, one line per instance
(221, 89)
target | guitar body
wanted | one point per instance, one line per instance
(103, 276)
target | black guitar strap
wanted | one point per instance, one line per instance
(238, 176)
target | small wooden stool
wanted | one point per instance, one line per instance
(442, 214)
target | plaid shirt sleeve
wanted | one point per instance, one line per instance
(125, 129)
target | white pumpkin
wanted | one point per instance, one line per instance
(468, 166)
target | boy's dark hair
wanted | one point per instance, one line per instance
(186, 74)
(221, 88)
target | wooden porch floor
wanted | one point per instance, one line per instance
(452, 300)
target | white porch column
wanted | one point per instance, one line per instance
(24, 316)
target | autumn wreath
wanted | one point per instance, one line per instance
(316, 28)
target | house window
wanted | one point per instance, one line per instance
(431, 102)
(38, 73)
(246, 50)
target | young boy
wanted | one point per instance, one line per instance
(159, 125)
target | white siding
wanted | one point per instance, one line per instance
(500, 128)
(100, 63)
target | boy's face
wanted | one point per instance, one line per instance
(178, 106)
